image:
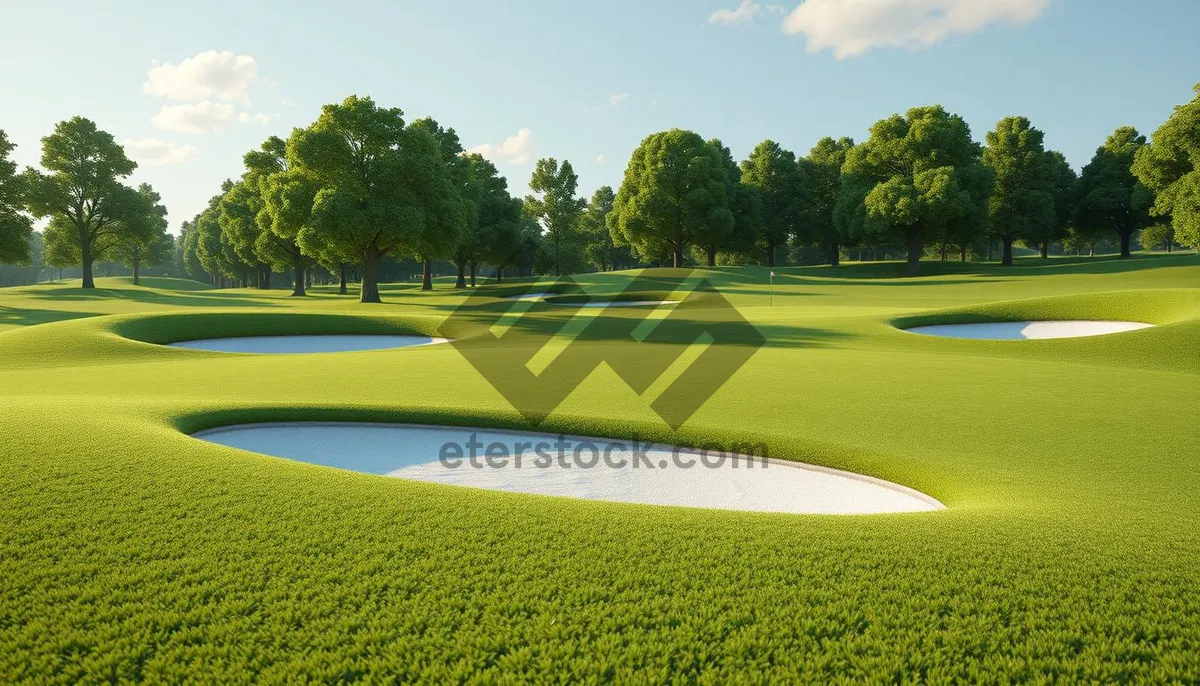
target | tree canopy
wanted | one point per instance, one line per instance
(558, 210)
(1170, 167)
(823, 178)
(910, 180)
(383, 187)
(1021, 205)
(1110, 196)
(82, 185)
(15, 226)
(780, 183)
(675, 193)
(147, 244)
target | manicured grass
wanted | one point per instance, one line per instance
(1069, 549)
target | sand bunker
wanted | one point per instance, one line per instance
(590, 468)
(623, 303)
(1020, 331)
(306, 344)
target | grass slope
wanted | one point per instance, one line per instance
(1069, 549)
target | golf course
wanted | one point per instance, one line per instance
(1067, 548)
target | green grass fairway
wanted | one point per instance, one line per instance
(1069, 549)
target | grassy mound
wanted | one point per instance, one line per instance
(1068, 551)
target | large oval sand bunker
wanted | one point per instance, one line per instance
(307, 344)
(1030, 330)
(591, 468)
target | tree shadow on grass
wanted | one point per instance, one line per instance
(17, 316)
(178, 299)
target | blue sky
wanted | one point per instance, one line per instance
(585, 81)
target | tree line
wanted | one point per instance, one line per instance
(362, 185)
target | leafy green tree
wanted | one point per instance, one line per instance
(558, 210)
(237, 216)
(910, 181)
(823, 177)
(675, 194)
(15, 227)
(736, 245)
(84, 166)
(147, 244)
(1110, 196)
(266, 210)
(189, 261)
(383, 187)
(1021, 205)
(779, 180)
(443, 233)
(1066, 191)
(1170, 167)
(599, 249)
(61, 244)
(1161, 235)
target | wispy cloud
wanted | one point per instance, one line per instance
(215, 75)
(153, 152)
(852, 27)
(617, 98)
(741, 14)
(515, 150)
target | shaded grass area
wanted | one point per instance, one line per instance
(1068, 551)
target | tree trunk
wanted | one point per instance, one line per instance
(1169, 242)
(1007, 259)
(462, 275)
(835, 254)
(677, 255)
(473, 275)
(989, 256)
(770, 253)
(1045, 249)
(264, 278)
(370, 280)
(962, 255)
(915, 248)
(712, 255)
(1125, 238)
(426, 274)
(86, 253)
(342, 280)
(943, 249)
(299, 278)
(136, 273)
(1092, 250)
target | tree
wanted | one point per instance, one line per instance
(1110, 196)
(147, 244)
(823, 176)
(909, 181)
(61, 244)
(599, 249)
(1161, 235)
(675, 193)
(442, 231)
(267, 214)
(557, 210)
(189, 261)
(779, 180)
(746, 206)
(15, 228)
(1021, 205)
(381, 186)
(1170, 167)
(82, 186)
(1065, 188)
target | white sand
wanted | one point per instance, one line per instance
(306, 344)
(532, 296)
(624, 303)
(1020, 331)
(412, 452)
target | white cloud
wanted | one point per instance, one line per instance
(739, 15)
(220, 75)
(617, 98)
(153, 152)
(200, 117)
(515, 150)
(261, 118)
(852, 27)
(601, 159)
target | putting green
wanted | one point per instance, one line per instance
(1069, 470)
